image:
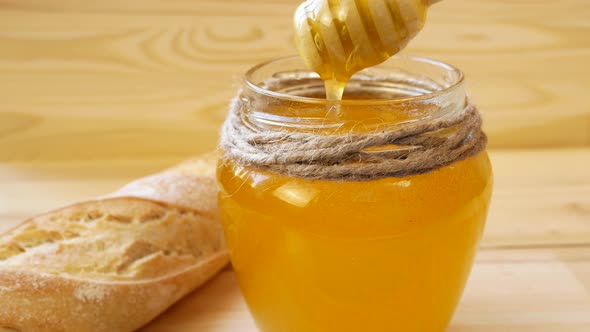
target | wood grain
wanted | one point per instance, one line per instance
(139, 79)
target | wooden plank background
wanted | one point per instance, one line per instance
(96, 93)
(88, 80)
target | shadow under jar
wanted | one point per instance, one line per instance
(390, 254)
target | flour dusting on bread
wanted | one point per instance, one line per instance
(90, 293)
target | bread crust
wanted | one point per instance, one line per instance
(116, 262)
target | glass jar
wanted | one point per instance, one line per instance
(391, 254)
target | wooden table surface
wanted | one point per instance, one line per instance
(94, 94)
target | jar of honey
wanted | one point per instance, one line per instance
(385, 253)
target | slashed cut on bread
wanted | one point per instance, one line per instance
(116, 262)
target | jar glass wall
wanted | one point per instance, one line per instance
(383, 255)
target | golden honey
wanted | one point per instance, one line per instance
(386, 255)
(346, 256)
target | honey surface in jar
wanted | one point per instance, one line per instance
(346, 256)
(337, 38)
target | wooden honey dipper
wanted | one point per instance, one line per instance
(337, 38)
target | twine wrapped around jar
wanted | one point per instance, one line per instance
(421, 147)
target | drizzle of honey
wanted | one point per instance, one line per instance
(337, 38)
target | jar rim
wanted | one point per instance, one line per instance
(259, 89)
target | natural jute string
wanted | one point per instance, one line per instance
(423, 147)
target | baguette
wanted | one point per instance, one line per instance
(116, 262)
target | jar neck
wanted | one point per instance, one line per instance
(283, 95)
